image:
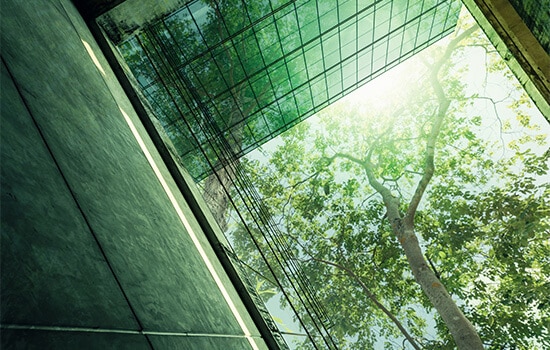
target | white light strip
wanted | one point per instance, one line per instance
(191, 232)
(93, 56)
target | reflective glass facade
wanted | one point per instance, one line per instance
(256, 68)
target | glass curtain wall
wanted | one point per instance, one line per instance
(260, 67)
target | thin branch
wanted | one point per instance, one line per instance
(362, 205)
(452, 46)
(495, 111)
(373, 298)
(366, 289)
(437, 274)
(390, 179)
(413, 172)
(367, 166)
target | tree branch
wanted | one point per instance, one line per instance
(367, 166)
(363, 286)
(452, 46)
(444, 104)
(373, 298)
(430, 151)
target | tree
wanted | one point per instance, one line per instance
(401, 213)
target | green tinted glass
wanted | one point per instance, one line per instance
(252, 69)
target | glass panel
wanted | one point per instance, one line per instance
(347, 8)
(275, 4)
(349, 73)
(382, 12)
(320, 99)
(314, 59)
(240, 64)
(399, 11)
(235, 16)
(230, 66)
(297, 68)
(289, 32)
(308, 21)
(211, 31)
(319, 87)
(414, 9)
(409, 37)
(330, 18)
(331, 50)
(394, 47)
(274, 120)
(257, 10)
(248, 50)
(258, 125)
(247, 98)
(267, 36)
(365, 27)
(279, 78)
(200, 10)
(364, 65)
(348, 37)
(303, 100)
(319, 90)
(381, 28)
(261, 89)
(185, 33)
(334, 79)
(380, 51)
(289, 109)
(248, 138)
(423, 33)
(269, 43)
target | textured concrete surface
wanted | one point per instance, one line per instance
(51, 264)
(89, 236)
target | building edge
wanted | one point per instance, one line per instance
(513, 40)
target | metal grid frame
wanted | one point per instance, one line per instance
(278, 64)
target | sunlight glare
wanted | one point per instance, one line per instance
(388, 88)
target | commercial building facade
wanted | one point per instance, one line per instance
(258, 68)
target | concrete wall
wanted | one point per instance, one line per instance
(98, 248)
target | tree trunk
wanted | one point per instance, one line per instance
(463, 332)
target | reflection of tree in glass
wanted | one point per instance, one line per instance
(214, 46)
(225, 56)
